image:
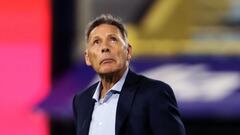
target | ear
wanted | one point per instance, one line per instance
(87, 61)
(129, 52)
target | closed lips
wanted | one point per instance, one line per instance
(106, 60)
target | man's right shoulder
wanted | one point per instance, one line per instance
(87, 91)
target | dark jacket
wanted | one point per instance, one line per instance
(145, 107)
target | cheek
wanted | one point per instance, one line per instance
(123, 56)
(92, 57)
(93, 51)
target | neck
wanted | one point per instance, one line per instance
(108, 80)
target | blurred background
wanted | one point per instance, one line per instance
(192, 45)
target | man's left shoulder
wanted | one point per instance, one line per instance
(148, 85)
(147, 82)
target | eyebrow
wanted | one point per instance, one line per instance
(96, 36)
(92, 38)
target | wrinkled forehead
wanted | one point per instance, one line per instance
(104, 30)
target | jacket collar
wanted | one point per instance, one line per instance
(89, 106)
(124, 103)
(126, 99)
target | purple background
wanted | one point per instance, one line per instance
(78, 77)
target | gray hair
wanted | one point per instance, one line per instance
(106, 19)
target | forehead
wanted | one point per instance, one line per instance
(104, 29)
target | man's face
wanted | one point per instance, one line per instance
(106, 50)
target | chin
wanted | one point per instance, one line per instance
(108, 70)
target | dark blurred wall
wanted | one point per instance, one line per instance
(63, 12)
(63, 33)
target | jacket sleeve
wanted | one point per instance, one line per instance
(163, 113)
(74, 111)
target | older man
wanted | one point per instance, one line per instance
(122, 102)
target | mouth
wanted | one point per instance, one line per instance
(105, 61)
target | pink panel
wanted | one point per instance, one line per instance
(24, 66)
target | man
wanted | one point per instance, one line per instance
(122, 103)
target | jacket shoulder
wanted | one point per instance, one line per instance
(152, 86)
(85, 93)
(146, 82)
(87, 90)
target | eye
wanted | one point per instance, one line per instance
(96, 41)
(113, 39)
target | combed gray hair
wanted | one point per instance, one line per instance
(106, 19)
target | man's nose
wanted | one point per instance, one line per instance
(105, 47)
(105, 50)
